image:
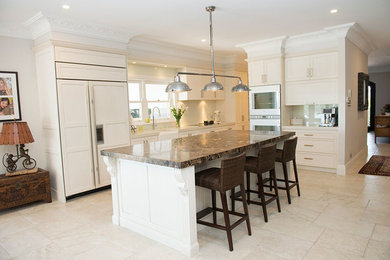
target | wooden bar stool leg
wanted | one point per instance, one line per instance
(258, 187)
(262, 198)
(270, 181)
(286, 182)
(248, 187)
(275, 187)
(248, 225)
(232, 196)
(213, 201)
(296, 177)
(227, 220)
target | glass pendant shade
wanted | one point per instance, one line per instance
(213, 85)
(240, 87)
(177, 86)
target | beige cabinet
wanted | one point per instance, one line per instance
(316, 148)
(197, 83)
(311, 92)
(265, 72)
(311, 67)
(87, 126)
(242, 111)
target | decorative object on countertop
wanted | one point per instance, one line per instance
(377, 165)
(23, 189)
(17, 133)
(386, 110)
(9, 96)
(178, 113)
(178, 86)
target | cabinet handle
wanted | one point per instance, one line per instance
(311, 72)
(242, 118)
(308, 134)
(309, 145)
(308, 72)
(307, 158)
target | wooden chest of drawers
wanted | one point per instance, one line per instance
(23, 189)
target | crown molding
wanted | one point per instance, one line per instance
(47, 27)
(146, 50)
(268, 47)
(357, 35)
(13, 30)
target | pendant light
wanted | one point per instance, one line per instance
(213, 85)
(178, 86)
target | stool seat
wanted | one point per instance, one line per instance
(230, 175)
(209, 178)
(279, 154)
(264, 162)
(283, 156)
(251, 164)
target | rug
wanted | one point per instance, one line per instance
(377, 165)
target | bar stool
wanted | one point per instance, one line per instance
(264, 162)
(283, 156)
(230, 175)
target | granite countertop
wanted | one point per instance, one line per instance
(147, 133)
(193, 150)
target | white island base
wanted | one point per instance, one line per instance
(161, 202)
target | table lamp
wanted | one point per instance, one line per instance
(17, 133)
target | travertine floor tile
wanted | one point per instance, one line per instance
(377, 250)
(322, 253)
(381, 233)
(345, 243)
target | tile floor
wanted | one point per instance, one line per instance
(336, 217)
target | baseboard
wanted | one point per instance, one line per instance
(318, 169)
(342, 169)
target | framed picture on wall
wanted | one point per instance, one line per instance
(9, 96)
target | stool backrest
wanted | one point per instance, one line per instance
(266, 158)
(232, 171)
(289, 148)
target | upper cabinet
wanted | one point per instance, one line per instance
(311, 67)
(265, 72)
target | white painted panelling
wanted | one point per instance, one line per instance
(89, 57)
(133, 189)
(89, 72)
(297, 68)
(76, 144)
(324, 65)
(311, 92)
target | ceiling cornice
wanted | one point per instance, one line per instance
(149, 50)
(41, 25)
(268, 47)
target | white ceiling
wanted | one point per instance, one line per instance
(186, 22)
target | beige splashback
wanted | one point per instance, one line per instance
(198, 111)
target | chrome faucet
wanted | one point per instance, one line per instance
(159, 113)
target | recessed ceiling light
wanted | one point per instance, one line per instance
(165, 66)
(333, 11)
(66, 7)
(134, 62)
(203, 40)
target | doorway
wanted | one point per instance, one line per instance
(371, 106)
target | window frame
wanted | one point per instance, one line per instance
(172, 99)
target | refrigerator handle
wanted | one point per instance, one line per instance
(99, 134)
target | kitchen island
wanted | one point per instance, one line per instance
(153, 184)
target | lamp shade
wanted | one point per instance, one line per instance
(15, 133)
(213, 85)
(177, 86)
(240, 87)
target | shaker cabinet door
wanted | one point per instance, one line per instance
(110, 122)
(324, 65)
(73, 101)
(297, 68)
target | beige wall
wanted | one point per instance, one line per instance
(17, 55)
(355, 121)
(382, 80)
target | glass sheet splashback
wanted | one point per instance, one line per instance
(311, 114)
